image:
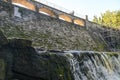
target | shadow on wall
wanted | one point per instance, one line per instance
(47, 11)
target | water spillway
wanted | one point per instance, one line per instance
(95, 66)
(90, 65)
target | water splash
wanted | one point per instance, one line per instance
(94, 65)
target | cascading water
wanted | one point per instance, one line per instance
(94, 65)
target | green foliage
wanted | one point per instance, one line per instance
(109, 18)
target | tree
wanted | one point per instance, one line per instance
(95, 19)
(118, 19)
(109, 18)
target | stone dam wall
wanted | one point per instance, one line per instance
(53, 33)
(20, 61)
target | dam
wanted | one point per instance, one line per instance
(41, 42)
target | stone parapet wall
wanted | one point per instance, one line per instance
(51, 11)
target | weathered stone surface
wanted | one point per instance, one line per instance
(2, 69)
(3, 14)
(6, 55)
(48, 34)
(20, 43)
(3, 39)
(30, 65)
(24, 63)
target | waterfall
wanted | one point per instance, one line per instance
(94, 65)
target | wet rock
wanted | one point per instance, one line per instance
(2, 69)
(28, 65)
(3, 39)
(20, 43)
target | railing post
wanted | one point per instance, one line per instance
(86, 17)
(36, 9)
(86, 22)
(10, 7)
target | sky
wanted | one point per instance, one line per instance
(87, 7)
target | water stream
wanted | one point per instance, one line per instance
(94, 65)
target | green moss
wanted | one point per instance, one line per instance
(58, 67)
(58, 41)
(112, 54)
(101, 47)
